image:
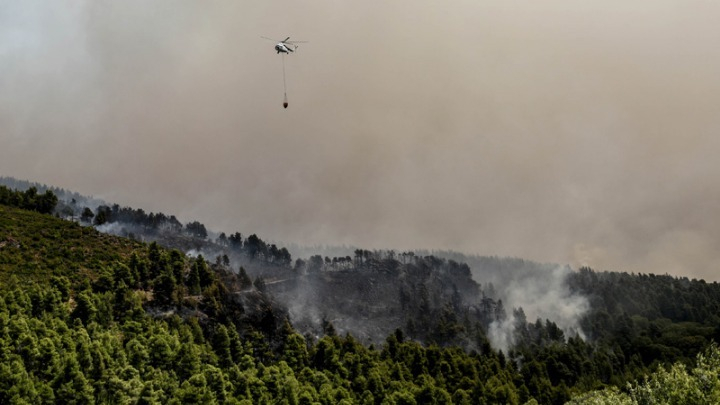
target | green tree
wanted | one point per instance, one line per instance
(45, 203)
(16, 386)
(295, 352)
(193, 281)
(245, 280)
(162, 348)
(673, 385)
(137, 353)
(205, 274)
(87, 215)
(85, 309)
(103, 215)
(164, 291)
(71, 386)
(403, 397)
(221, 346)
(195, 391)
(188, 361)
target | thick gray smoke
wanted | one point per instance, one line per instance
(580, 132)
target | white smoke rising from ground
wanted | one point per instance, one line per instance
(548, 296)
(539, 289)
(303, 309)
(114, 228)
(500, 333)
(545, 296)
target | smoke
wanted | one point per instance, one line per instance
(544, 295)
(304, 309)
(114, 228)
(548, 296)
(567, 132)
(501, 334)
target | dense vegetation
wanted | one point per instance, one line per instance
(40, 247)
(141, 225)
(158, 327)
(675, 385)
(29, 199)
(87, 317)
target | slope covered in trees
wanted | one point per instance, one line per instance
(93, 318)
(138, 224)
(674, 385)
(158, 327)
(40, 246)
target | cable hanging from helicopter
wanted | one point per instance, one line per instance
(285, 47)
(285, 101)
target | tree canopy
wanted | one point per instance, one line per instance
(87, 317)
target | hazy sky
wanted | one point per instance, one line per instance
(578, 132)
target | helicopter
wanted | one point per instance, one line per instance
(285, 46)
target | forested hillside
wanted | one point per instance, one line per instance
(158, 327)
(88, 317)
(40, 246)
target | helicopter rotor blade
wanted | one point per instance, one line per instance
(286, 40)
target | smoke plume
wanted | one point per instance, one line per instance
(568, 132)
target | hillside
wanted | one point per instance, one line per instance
(149, 325)
(38, 246)
(378, 327)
